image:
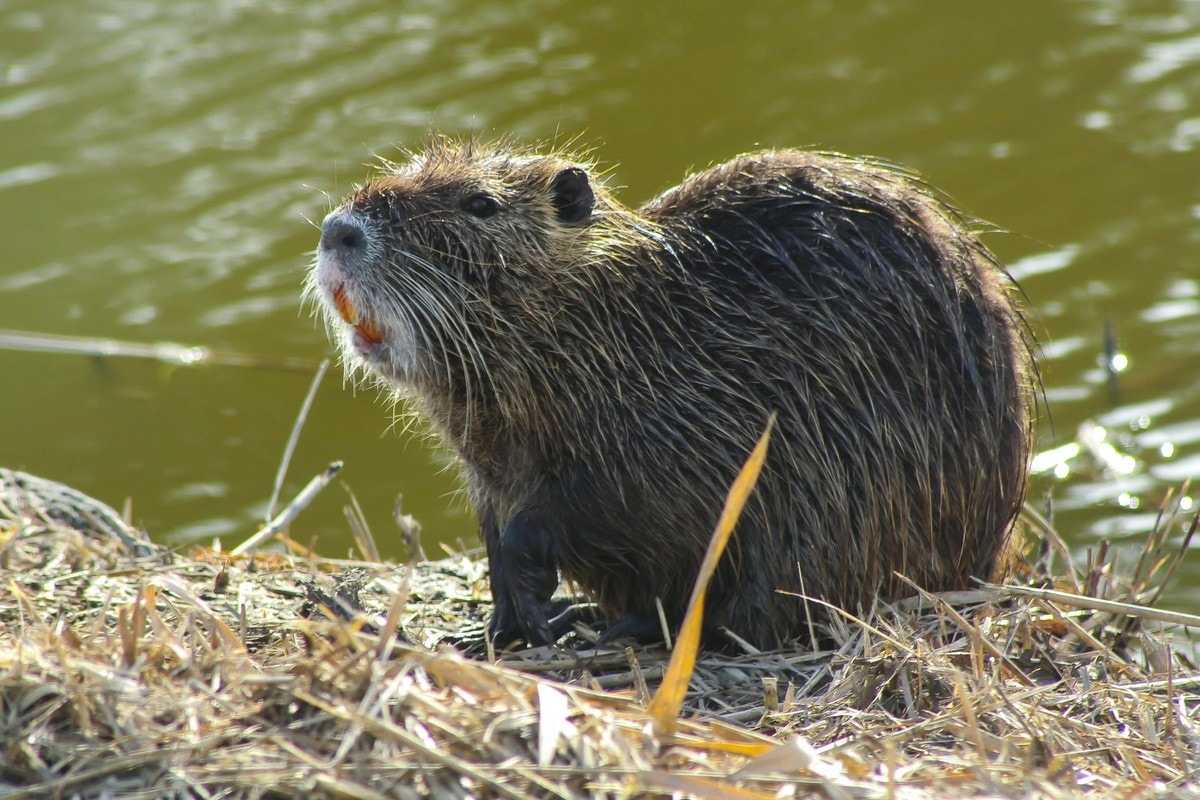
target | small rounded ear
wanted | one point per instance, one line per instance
(572, 195)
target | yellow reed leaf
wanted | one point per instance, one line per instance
(668, 700)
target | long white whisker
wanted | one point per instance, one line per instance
(458, 290)
(436, 320)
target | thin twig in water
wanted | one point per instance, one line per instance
(290, 448)
(167, 352)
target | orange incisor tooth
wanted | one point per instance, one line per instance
(344, 308)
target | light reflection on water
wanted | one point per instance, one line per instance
(161, 163)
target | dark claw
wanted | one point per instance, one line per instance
(502, 628)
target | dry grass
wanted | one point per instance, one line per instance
(130, 671)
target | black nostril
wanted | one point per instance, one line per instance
(340, 233)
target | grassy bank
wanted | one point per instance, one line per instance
(130, 670)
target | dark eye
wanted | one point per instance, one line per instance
(480, 205)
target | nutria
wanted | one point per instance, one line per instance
(602, 373)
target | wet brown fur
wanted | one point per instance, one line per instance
(615, 372)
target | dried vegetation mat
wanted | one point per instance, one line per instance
(128, 670)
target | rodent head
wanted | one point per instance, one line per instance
(439, 273)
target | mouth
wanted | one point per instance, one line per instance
(364, 327)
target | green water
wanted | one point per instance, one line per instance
(160, 163)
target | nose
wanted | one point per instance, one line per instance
(344, 235)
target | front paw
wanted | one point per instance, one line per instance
(524, 576)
